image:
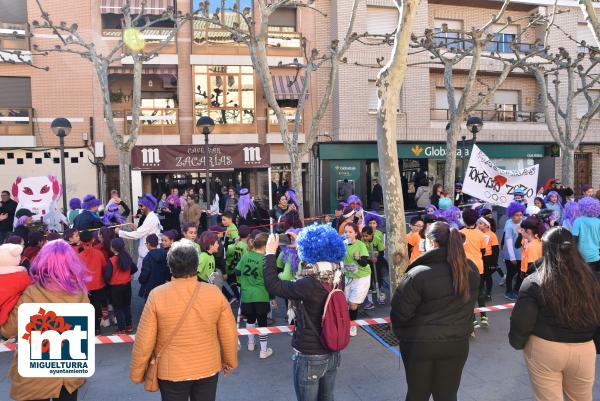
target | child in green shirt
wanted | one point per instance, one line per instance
(232, 231)
(209, 245)
(255, 297)
(357, 271)
(234, 255)
(376, 248)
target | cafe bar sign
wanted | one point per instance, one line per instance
(193, 157)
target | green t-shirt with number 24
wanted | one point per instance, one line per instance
(249, 272)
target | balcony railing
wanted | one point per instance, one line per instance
(492, 46)
(14, 36)
(156, 121)
(495, 115)
(273, 123)
(284, 37)
(153, 36)
(17, 121)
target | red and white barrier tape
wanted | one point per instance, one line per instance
(129, 338)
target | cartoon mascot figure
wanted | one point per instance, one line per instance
(37, 194)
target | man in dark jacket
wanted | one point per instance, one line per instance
(88, 219)
(376, 196)
(308, 296)
(155, 270)
(8, 207)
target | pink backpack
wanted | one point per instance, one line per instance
(335, 323)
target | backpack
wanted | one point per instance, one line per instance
(335, 322)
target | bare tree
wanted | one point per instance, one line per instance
(254, 33)
(389, 83)
(470, 46)
(70, 41)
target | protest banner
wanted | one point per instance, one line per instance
(489, 183)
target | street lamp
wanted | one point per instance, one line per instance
(474, 124)
(61, 127)
(206, 125)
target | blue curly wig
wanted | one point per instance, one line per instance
(515, 207)
(589, 207)
(320, 243)
(373, 216)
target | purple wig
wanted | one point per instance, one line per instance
(356, 200)
(435, 212)
(515, 207)
(176, 200)
(58, 268)
(112, 215)
(571, 213)
(21, 221)
(75, 203)
(550, 194)
(373, 216)
(452, 216)
(589, 207)
(290, 255)
(291, 195)
(245, 203)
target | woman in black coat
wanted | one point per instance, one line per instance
(171, 213)
(432, 315)
(555, 319)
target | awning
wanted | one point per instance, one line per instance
(157, 69)
(287, 87)
(155, 7)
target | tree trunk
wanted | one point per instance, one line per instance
(568, 166)
(125, 177)
(296, 184)
(451, 146)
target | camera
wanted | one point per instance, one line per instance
(285, 239)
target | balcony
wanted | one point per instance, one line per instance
(273, 124)
(153, 36)
(495, 115)
(284, 41)
(492, 46)
(155, 121)
(16, 121)
(15, 37)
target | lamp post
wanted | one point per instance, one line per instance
(462, 153)
(61, 127)
(474, 124)
(206, 125)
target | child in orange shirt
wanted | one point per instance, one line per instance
(532, 230)
(414, 240)
(475, 248)
(487, 225)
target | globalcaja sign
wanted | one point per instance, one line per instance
(193, 157)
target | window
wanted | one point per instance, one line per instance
(213, 33)
(382, 20)
(282, 28)
(506, 104)
(585, 34)
(448, 40)
(503, 40)
(225, 93)
(12, 11)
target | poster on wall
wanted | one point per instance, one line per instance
(489, 183)
(38, 194)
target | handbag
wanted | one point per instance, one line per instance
(151, 375)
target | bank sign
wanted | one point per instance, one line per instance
(193, 157)
(429, 151)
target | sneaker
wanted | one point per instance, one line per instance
(369, 306)
(266, 354)
(476, 324)
(251, 346)
(129, 329)
(502, 281)
(381, 298)
(484, 321)
(510, 296)
(353, 331)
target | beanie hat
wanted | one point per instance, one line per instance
(75, 203)
(90, 201)
(10, 255)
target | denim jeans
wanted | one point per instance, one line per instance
(314, 376)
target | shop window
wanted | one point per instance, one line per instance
(225, 93)
(584, 34)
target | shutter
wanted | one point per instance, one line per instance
(372, 96)
(13, 11)
(441, 99)
(283, 16)
(506, 97)
(453, 24)
(15, 92)
(381, 20)
(584, 33)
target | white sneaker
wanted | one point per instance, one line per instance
(266, 354)
(353, 331)
(251, 346)
(502, 281)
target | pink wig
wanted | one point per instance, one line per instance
(58, 268)
(175, 199)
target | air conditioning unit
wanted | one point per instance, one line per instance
(99, 150)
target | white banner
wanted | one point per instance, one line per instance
(485, 181)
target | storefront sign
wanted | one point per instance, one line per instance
(485, 181)
(192, 157)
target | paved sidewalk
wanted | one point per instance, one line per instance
(369, 371)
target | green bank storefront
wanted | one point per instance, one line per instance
(358, 164)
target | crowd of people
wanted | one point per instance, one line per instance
(199, 261)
